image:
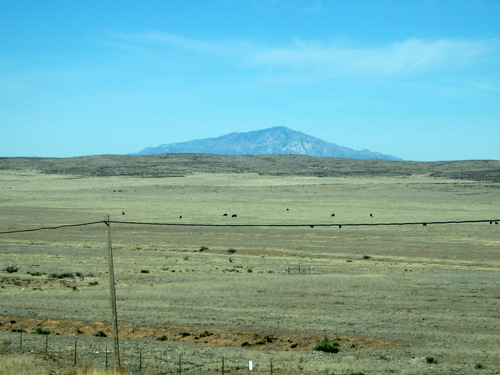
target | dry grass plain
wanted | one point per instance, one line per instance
(409, 299)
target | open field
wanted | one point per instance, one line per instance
(407, 299)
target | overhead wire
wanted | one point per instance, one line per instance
(310, 225)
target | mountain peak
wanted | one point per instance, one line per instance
(272, 141)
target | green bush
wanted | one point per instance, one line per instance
(11, 269)
(144, 271)
(39, 330)
(62, 275)
(327, 346)
(100, 334)
(36, 273)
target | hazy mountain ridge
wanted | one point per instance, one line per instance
(273, 141)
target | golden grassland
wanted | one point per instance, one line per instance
(406, 299)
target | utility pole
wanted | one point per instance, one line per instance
(111, 272)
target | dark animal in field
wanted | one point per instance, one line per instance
(123, 213)
(424, 224)
(180, 217)
(311, 226)
(371, 215)
(333, 215)
(231, 260)
(287, 209)
(340, 226)
(234, 215)
(224, 215)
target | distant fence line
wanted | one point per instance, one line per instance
(308, 225)
(299, 269)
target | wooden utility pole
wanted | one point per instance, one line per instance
(111, 272)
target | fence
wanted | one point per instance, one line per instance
(300, 269)
(156, 358)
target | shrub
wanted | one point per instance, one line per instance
(39, 330)
(36, 273)
(100, 334)
(11, 269)
(162, 338)
(430, 360)
(205, 334)
(249, 270)
(327, 346)
(184, 334)
(203, 248)
(478, 366)
(63, 275)
(231, 251)
(144, 271)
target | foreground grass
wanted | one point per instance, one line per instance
(33, 365)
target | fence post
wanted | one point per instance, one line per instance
(116, 346)
(180, 363)
(271, 367)
(106, 358)
(75, 352)
(222, 365)
(140, 361)
(46, 344)
(21, 340)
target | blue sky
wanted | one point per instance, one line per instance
(416, 79)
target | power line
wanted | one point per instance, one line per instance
(52, 228)
(310, 225)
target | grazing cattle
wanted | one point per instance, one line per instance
(311, 226)
(491, 222)
(234, 215)
(287, 209)
(340, 226)
(371, 215)
(333, 215)
(424, 224)
(231, 260)
(224, 215)
(180, 217)
(123, 213)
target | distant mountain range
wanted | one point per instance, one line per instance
(273, 141)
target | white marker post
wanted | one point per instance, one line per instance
(250, 365)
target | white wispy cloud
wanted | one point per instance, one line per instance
(330, 60)
(403, 58)
(230, 48)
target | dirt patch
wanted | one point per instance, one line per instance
(213, 336)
